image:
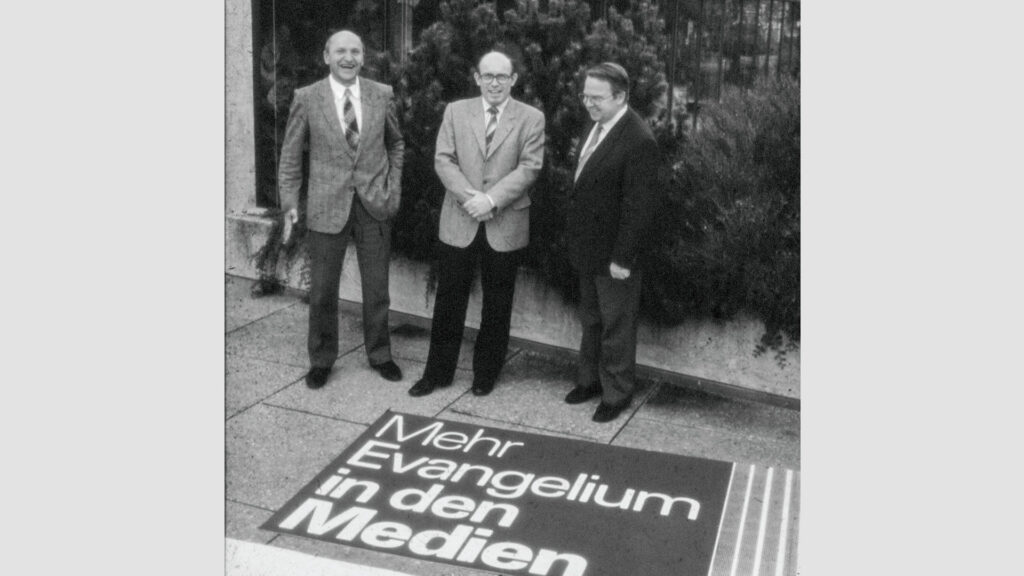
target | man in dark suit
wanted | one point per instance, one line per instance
(489, 152)
(611, 211)
(355, 172)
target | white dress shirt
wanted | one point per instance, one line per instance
(487, 119)
(487, 115)
(339, 101)
(606, 127)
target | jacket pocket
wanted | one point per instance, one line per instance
(521, 203)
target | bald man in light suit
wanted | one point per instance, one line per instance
(355, 173)
(489, 152)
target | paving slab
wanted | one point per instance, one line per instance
(699, 409)
(531, 392)
(373, 558)
(356, 393)
(661, 436)
(249, 559)
(410, 342)
(241, 308)
(243, 522)
(248, 381)
(281, 336)
(273, 452)
(457, 416)
(280, 434)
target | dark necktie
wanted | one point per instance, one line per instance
(491, 125)
(588, 152)
(351, 126)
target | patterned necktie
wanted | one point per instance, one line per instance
(491, 125)
(351, 126)
(588, 152)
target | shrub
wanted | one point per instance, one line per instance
(552, 50)
(733, 240)
(729, 239)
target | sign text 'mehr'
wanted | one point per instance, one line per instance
(514, 502)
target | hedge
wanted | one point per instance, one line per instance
(729, 240)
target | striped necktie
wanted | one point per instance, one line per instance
(491, 125)
(351, 126)
(588, 152)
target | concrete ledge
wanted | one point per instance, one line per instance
(244, 235)
(716, 357)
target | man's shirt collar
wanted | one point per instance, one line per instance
(501, 107)
(339, 89)
(607, 126)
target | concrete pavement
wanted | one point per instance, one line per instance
(279, 433)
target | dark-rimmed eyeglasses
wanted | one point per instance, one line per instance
(501, 78)
(595, 99)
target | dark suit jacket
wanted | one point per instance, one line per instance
(336, 171)
(613, 204)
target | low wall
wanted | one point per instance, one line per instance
(721, 354)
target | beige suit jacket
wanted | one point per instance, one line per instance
(506, 173)
(336, 171)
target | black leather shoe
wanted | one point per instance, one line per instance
(265, 287)
(482, 387)
(388, 370)
(424, 387)
(608, 412)
(317, 377)
(579, 394)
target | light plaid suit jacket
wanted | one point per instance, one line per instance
(336, 171)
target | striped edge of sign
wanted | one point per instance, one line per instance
(758, 532)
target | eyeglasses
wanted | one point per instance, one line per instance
(595, 99)
(501, 78)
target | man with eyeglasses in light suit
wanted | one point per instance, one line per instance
(612, 207)
(489, 153)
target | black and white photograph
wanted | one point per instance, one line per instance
(488, 288)
(512, 287)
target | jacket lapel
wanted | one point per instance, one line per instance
(330, 112)
(582, 140)
(578, 154)
(476, 124)
(373, 111)
(607, 143)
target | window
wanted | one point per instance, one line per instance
(288, 42)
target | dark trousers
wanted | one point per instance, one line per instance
(456, 267)
(326, 255)
(608, 314)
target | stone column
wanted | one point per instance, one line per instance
(239, 127)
